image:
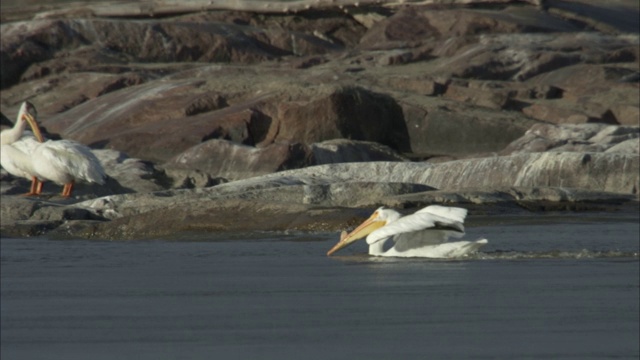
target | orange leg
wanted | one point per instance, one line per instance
(36, 187)
(66, 190)
(39, 187)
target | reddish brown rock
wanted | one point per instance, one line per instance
(493, 99)
(151, 41)
(626, 114)
(562, 113)
(420, 85)
(152, 121)
(514, 90)
(228, 160)
(159, 87)
(523, 56)
(349, 112)
(413, 26)
(587, 80)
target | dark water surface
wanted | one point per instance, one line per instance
(561, 289)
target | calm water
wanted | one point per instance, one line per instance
(558, 288)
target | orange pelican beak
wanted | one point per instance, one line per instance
(34, 126)
(364, 229)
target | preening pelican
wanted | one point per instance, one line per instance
(422, 234)
(64, 162)
(17, 146)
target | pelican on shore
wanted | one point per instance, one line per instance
(424, 233)
(18, 145)
(66, 162)
(63, 162)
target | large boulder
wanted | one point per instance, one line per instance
(590, 93)
(588, 172)
(158, 120)
(343, 112)
(227, 160)
(215, 161)
(443, 127)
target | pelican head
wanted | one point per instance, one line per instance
(378, 219)
(26, 115)
(29, 114)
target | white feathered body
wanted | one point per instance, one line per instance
(15, 158)
(65, 161)
(425, 233)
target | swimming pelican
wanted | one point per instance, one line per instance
(65, 162)
(422, 234)
(17, 145)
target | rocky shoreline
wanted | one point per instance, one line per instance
(305, 118)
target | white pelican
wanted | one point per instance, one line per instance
(16, 147)
(422, 234)
(64, 162)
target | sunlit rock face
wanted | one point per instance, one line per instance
(208, 113)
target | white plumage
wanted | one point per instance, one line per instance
(63, 162)
(16, 156)
(17, 146)
(425, 233)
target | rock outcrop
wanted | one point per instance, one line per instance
(206, 115)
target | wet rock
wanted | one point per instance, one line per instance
(584, 171)
(15, 208)
(29, 228)
(312, 198)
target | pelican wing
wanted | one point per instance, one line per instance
(419, 229)
(72, 158)
(428, 237)
(13, 161)
(451, 213)
(430, 226)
